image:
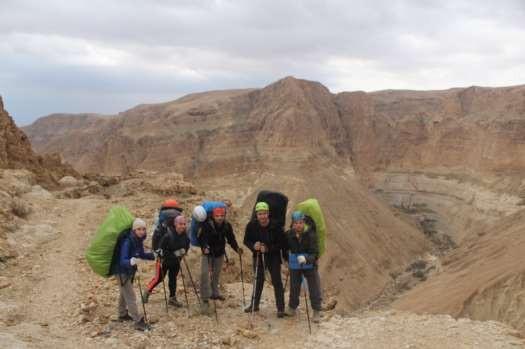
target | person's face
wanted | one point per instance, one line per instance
(140, 232)
(263, 218)
(219, 218)
(180, 226)
(298, 226)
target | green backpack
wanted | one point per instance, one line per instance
(312, 209)
(101, 250)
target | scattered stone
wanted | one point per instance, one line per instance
(4, 282)
(68, 181)
(247, 333)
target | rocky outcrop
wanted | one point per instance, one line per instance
(16, 153)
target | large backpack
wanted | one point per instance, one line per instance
(315, 219)
(195, 225)
(161, 228)
(278, 203)
(104, 245)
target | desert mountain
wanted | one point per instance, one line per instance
(449, 162)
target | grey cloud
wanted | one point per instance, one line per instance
(163, 49)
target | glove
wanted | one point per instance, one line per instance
(301, 259)
(257, 246)
(180, 252)
(158, 253)
(206, 250)
(240, 250)
(133, 261)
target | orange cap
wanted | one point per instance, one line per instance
(170, 203)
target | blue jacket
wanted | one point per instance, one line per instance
(131, 246)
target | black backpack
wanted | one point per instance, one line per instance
(166, 217)
(278, 203)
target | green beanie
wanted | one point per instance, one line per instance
(262, 206)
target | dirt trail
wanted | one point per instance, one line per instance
(47, 286)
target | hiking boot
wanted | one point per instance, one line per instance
(317, 317)
(141, 325)
(281, 314)
(218, 297)
(248, 309)
(145, 296)
(173, 301)
(124, 318)
(290, 311)
(205, 308)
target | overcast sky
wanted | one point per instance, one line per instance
(106, 56)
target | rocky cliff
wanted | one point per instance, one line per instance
(16, 153)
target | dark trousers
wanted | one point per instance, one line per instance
(161, 269)
(314, 287)
(273, 264)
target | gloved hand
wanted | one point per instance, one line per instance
(206, 250)
(158, 253)
(301, 259)
(133, 261)
(257, 246)
(240, 250)
(180, 252)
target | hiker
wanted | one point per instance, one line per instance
(302, 253)
(172, 247)
(214, 233)
(131, 252)
(201, 213)
(168, 211)
(265, 239)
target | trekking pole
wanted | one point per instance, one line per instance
(242, 282)
(163, 284)
(264, 270)
(141, 297)
(184, 287)
(210, 274)
(254, 285)
(306, 304)
(191, 279)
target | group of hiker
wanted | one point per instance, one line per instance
(210, 230)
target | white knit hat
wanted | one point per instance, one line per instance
(138, 223)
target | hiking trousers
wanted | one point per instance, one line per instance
(161, 269)
(127, 302)
(273, 264)
(314, 287)
(210, 265)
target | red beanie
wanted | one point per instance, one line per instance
(219, 211)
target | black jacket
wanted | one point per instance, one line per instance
(214, 237)
(306, 243)
(171, 242)
(272, 236)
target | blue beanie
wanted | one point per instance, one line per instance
(297, 216)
